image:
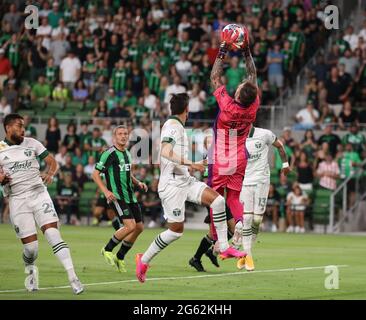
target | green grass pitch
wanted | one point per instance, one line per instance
(172, 278)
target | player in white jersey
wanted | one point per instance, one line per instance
(29, 201)
(255, 189)
(176, 186)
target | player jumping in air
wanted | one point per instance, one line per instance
(255, 189)
(29, 201)
(228, 157)
(115, 163)
(176, 186)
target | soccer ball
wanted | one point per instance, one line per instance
(237, 29)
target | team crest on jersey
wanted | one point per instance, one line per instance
(28, 153)
(177, 212)
(258, 145)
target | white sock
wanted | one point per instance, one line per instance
(30, 253)
(257, 220)
(238, 235)
(161, 242)
(247, 233)
(219, 220)
(61, 250)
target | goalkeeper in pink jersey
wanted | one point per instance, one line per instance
(228, 155)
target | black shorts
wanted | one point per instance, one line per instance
(127, 210)
(102, 202)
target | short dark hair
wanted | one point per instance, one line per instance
(10, 118)
(248, 94)
(178, 103)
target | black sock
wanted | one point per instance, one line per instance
(125, 247)
(115, 223)
(205, 244)
(112, 244)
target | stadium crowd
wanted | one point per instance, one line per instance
(125, 59)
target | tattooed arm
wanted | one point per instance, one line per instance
(217, 72)
(249, 63)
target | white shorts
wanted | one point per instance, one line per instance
(254, 197)
(35, 207)
(173, 199)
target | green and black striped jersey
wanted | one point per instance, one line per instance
(117, 166)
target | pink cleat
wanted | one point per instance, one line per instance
(141, 268)
(232, 253)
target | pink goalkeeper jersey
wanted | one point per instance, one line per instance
(231, 128)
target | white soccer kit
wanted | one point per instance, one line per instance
(29, 201)
(256, 182)
(176, 185)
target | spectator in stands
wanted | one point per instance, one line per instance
(307, 118)
(309, 144)
(79, 177)
(53, 136)
(273, 206)
(288, 139)
(150, 102)
(275, 71)
(55, 15)
(44, 32)
(320, 69)
(11, 94)
(70, 70)
(350, 62)
(41, 91)
(335, 91)
(312, 92)
(29, 130)
(297, 200)
(351, 37)
(80, 93)
(37, 58)
(305, 176)
(326, 115)
(67, 199)
(356, 139)
(13, 18)
(61, 94)
(107, 132)
(100, 112)
(5, 67)
(79, 157)
(175, 88)
(120, 112)
(197, 98)
(100, 89)
(84, 134)
(5, 107)
(95, 144)
(59, 47)
(328, 173)
(332, 139)
(89, 168)
(71, 139)
(68, 168)
(184, 67)
(347, 116)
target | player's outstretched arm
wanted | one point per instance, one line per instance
(52, 167)
(227, 39)
(281, 149)
(168, 153)
(249, 62)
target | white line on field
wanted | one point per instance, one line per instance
(184, 278)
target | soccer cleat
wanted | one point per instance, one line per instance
(76, 286)
(108, 257)
(141, 268)
(213, 258)
(231, 253)
(31, 281)
(197, 264)
(241, 263)
(249, 263)
(120, 264)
